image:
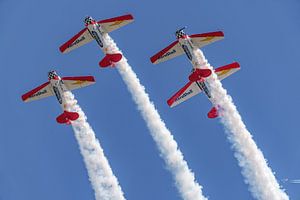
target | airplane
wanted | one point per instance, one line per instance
(59, 86)
(97, 30)
(197, 83)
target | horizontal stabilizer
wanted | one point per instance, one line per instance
(66, 117)
(213, 113)
(110, 59)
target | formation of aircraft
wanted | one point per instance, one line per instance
(197, 79)
(59, 86)
(96, 30)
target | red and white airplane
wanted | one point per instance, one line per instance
(58, 86)
(96, 30)
(187, 44)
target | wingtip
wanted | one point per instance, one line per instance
(62, 49)
(93, 79)
(152, 59)
(130, 16)
(23, 97)
(237, 64)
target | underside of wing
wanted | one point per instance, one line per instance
(189, 90)
(201, 40)
(112, 24)
(227, 70)
(73, 83)
(39, 92)
(76, 41)
(167, 53)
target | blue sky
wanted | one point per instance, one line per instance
(40, 159)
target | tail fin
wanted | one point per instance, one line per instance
(213, 113)
(110, 59)
(66, 117)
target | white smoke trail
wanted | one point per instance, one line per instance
(103, 181)
(297, 181)
(262, 182)
(185, 181)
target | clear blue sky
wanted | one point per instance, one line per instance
(40, 159)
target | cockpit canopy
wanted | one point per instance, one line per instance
(88, 20)
(52, 75)
(180, 33)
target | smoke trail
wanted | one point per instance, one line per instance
(103, 181)
(297, 181)
(185, 181)
(262, 182)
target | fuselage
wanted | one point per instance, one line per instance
(189, 50)
(58, 88)
(97, 33)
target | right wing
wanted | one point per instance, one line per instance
(227, 70)
(73, 83)
(167, 53)
(201, 40)
(76, 41)
(189, 90)
(39, 92)
(112, 24)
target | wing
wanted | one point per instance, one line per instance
(73, 83)
(200, 40)
(227, 70)
(76, 41)
(189, 90)
(112, 24)
(167, 53)
(40, 92)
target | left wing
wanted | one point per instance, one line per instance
(167, 53)
(39, 92)
(81, 38)
(112, 24)
(189, 90)
(73, 83)
(201, 40)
